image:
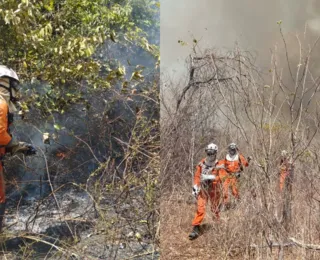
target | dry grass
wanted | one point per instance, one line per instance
(234, 236)
(227, 99)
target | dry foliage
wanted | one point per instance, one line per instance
(229, 99)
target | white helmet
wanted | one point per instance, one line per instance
(232, 146)
(9, 80)
(6, 72)
(211, 148)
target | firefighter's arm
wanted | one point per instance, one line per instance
(15, 147)
(244, 160)
(5, 137)
(196, 179)
(215, 172)
(220, 171)
(196, 182)
(10, 143)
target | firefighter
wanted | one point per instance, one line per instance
(285, 167)
(234, 163)
(9, 98)
(206, 187)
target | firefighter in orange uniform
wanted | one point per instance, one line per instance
(285, 167)
(233, 164)
(207, 186)
(9, 83)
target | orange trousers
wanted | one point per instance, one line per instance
(283, 176)
(2, 186)
(211, 194)
(2, 182)
(233, 183)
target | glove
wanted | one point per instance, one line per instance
(25, 148)
(237, 175)
(195, 191)
(249, 158)
(207, 177)
(30, 150)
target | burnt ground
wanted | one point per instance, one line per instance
(38, 230)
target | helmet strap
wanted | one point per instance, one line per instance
(12, 98)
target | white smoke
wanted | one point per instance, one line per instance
(220, 23)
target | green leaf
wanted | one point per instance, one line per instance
(56, 126)
(63, 44)
(137, 75)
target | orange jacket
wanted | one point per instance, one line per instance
(234, 166)
(199, 168)
(5, 137)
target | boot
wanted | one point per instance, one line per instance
(195, 232)
(2, 211)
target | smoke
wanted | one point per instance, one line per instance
(221, 23)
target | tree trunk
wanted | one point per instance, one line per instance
(287, 207)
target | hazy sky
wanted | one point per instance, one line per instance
(220, 23)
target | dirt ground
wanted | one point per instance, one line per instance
(221, 239)
(176, 218)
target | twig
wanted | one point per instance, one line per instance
(142, 254)
(293, 242)
(287, 56)
(136, 149)
(60, 249)
(306, 246)
(88, 147)
(272, 245)
(52, 190)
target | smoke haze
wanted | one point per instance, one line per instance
(221, 23)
